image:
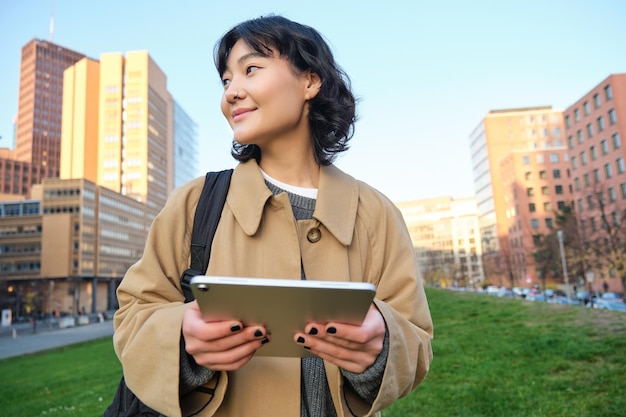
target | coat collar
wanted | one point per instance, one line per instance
(336, 206)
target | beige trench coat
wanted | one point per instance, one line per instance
(363, 238)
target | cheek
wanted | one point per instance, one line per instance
(225, 107)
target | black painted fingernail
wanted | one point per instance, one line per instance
(306, 347)
(235, 328)
(258, 333)
(300, 339)
(313, 330)
(331, 330)
(265, 340)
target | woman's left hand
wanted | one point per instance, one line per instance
(352, 348)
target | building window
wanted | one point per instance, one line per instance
(590, 202)
(593, 153)
(544, 191)
(612, 117)
(583, 158)
(620, 165)
(596, 100)
(616, 141)
(540, 158)
(586, 108)
(577, 183)
(586, 179)
(556, 173)
(580, 205)
(556, 132)
(579, 135)
(543, 174)
(622, 188)
(577, 115)
(534, 223)
(554, 158)
(527, 175)
(604, 146)
(526, 160)
(530, 192)
(608, 171)
(589, 130)
(596, 175)
(547, 207)
(600, 124)
(532, 208)
(558, 189)
(612, 194)
(549, 222)
(592, 223)
(608, 92)
(568, 122)
(560, 205)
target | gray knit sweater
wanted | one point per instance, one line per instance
(315, 396)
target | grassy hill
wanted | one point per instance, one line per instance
(493, 357)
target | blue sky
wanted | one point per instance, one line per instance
(426, 72)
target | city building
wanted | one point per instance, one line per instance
(38, 129)
(123, 130)
(515, 152)
(70, 247)
(446, 237)
(595, 126)
(185, 150)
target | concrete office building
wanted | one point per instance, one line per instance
(504, 139)
(446, 238)
(38, 128)
(595, 127)
(71, 246)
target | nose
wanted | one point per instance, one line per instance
(232, 94)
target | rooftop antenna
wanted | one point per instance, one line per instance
(52, 24)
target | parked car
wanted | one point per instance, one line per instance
(585, 296)
(612, 296)
(613, 305)
(565, 300)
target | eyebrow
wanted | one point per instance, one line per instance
(251, 55)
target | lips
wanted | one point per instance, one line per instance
(240, 113)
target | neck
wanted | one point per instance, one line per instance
(299, 172)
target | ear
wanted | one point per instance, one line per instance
(312, 85)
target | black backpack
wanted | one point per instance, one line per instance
(208, 211)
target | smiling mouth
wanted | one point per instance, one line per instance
(241, 113)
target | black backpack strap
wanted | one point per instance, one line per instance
(208, 212)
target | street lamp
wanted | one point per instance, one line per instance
(559, 234)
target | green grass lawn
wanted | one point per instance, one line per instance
(493, 357)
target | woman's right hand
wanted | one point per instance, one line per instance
(220, 345)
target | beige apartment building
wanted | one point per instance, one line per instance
(70, 247)
(118, 126)
(595, 127)
(519, 161)
(446, 238)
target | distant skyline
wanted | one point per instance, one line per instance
(426, 72)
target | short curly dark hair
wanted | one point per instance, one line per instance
(332, 111)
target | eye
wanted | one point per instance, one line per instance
(225, 82)
(251, 68)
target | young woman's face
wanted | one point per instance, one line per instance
(265, 101)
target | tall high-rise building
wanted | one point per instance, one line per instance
(38, 137)
(521, 175)
(185, 150)
(123, 130)
(38, 125)
(595, 127)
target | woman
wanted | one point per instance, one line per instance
(291, 111)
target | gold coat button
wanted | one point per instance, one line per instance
(314, 235)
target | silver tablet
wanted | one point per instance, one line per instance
(283, 306)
